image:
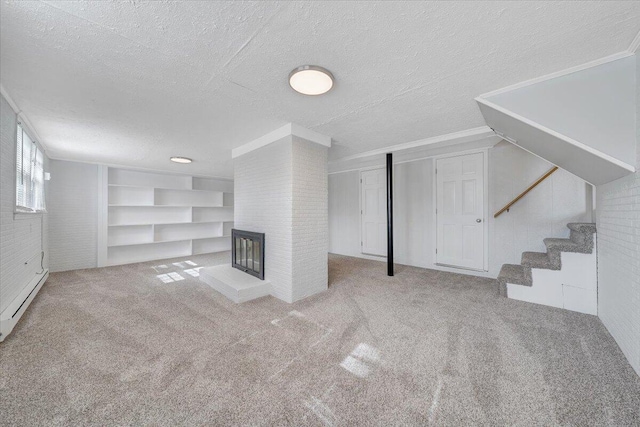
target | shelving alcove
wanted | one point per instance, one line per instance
(148, 216)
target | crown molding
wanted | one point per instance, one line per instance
(9, 99)
(282, 132)
(591, 64)
(22, 117)
(452, 138)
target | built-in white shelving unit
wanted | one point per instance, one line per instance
(151, 216)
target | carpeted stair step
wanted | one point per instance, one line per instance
(512, 273)
(580, 241)
(582, 234)
(565, 245)
(582, 227)
(539, 260)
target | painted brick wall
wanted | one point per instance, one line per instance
(310, 219)
(618, 220)
(73, 215)
(281, 190)
(21, 237)
(263, 181)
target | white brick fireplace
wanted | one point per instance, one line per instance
(280, 188)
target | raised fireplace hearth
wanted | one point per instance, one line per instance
(247, 256)
(247, 252)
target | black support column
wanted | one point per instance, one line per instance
(389, 214)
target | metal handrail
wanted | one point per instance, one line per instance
(524, 193)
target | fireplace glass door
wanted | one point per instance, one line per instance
(248, 252)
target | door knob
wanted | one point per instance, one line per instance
(478, 220)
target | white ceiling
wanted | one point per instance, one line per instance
(133, 83)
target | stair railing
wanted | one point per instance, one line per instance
(524, 193)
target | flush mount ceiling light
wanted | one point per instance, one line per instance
(181, 160)
(311, 80)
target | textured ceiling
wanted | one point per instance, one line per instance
(133, 83)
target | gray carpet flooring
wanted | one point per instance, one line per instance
(149, 344)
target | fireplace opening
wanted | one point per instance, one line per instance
(247, 252)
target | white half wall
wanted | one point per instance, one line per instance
(618, 223)
(73, 212)
(562, 198)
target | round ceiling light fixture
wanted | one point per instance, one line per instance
(311, 80)
(181, 160)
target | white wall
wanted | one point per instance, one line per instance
(412, 209)
(562, 198)
(23, 236)
(413, 213)
(73, 215)
(344, 213)
(618, 219)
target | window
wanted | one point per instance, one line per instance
(29, 174)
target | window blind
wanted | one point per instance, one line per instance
(29, 174)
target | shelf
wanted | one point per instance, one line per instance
(226, 228)
(165, 188)
(169, 223)
(204, 246)
(140, 215)
(115, 245)
(214, 237)
(118, 236)
(187, 231)
(217, 214)
(188, 198)
(165, 241)
(169, 206)
(117, 255)
(131, 206)
(192, 206)
(154, 216)
(130, 196)
(227, 199)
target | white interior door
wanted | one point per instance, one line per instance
(460, 211)
(373, 199)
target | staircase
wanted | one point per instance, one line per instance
(564, 277)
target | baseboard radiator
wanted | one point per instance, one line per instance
(12, 314)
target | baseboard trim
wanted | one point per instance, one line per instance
(439, 267)
(12, 314)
